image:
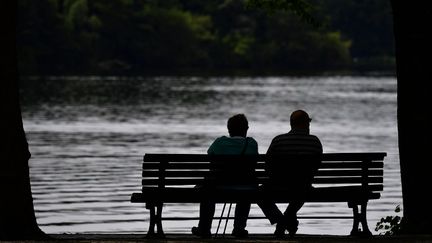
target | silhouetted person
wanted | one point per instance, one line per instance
(293, 177)
(241, 175)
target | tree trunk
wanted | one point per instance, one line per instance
(17, 217)
(412, 27)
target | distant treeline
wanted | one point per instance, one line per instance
(140, 37)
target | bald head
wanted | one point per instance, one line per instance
(300, 119)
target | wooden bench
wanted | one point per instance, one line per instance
(354, 178)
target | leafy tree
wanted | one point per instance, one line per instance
(368, 24)
(131, 36)
(41, 38)
(82, 28)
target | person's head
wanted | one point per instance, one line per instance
(300, 120)
(238, 125)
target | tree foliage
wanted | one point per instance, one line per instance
(136, 37)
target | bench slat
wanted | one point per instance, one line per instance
(325, 194)
(349, 173)
(346, 180)
(207, 165)
(350, 165)
(320, 180)
(202, 173)
(372, 187)
(261, 157)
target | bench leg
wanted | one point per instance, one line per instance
(363, 220)
(355, 229)
(151, 231)
(359, 217)
(155, 220)
(159, 221)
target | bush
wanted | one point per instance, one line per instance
(390, 225)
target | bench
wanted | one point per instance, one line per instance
(354, 178)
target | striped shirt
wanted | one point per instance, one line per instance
(295, 142)
(295, 175)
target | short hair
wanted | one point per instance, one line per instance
(237, 125)
(299, 117)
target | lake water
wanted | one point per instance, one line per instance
(87, 136)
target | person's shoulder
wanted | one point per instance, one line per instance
(280, 136)
(253, 142)
(317, 141)
(216, 144)
(314, 137)
(221, 138)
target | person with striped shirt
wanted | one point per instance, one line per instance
(294, 177)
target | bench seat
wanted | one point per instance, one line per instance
(193, 195)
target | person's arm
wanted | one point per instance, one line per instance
(213, 146)
(318, 161)
(268, 163)
(209, 180)
(254, 151)
(254, 146)
(320, 145)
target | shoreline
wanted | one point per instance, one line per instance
(228, 238)
(221, 73)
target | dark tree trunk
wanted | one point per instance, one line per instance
(412, 28)
(17, 217)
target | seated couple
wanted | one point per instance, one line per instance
(286, 175)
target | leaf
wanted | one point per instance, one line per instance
(396, 219)
(397, 209)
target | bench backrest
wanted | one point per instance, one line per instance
(336, 169)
